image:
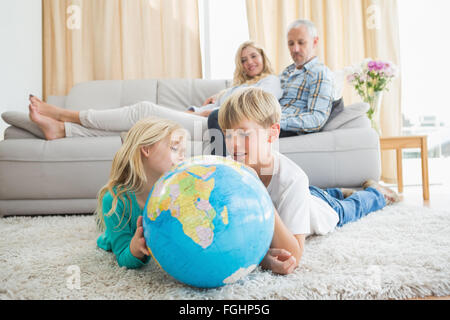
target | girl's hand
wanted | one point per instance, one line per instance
(138, 246)
(279, 261)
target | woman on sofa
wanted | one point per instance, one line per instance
(253, 68)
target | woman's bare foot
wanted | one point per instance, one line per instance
(46, 109)
(52, 129)
(390, 195)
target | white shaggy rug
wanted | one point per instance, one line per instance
(399, 252)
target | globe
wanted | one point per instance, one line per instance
(208, 222)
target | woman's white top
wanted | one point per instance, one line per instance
(269, 84)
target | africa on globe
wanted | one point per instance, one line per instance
(209, 221)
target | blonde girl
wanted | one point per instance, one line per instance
(151, 147)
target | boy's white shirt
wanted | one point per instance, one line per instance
(301, 212)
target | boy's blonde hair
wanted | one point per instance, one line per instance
(240, 77)
(250, 104)
(127, 170)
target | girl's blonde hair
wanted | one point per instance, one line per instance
(240, 77)
(252, 104)
(127, 170)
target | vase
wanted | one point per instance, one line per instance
(374, 110)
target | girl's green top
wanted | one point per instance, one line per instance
(119, 231)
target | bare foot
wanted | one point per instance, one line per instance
(46, 109)
(390, 195)
(347, 192)
(52, 129)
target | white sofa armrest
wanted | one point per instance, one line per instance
(350, 113)
(338, 158)
(22, 120)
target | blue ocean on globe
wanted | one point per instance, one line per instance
(209, 221)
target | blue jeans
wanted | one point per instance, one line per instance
(352, 208)
(217, 140)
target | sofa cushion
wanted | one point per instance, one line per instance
(22, 120)
(100, 94)
(13, 132)
(359, 122)
(134, 91)
(109, 94)
(349, 113)
(179, 94)
(336, 108)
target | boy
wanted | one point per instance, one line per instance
(250, 120)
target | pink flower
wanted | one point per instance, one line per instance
(351, 77)
(372, 65)
(379, 65)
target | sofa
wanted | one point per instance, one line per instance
(63, 176)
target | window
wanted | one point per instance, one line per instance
(223, 27)
(425, 68)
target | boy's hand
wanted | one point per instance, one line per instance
(279, 261)
(138, 246)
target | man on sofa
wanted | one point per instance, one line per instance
(307, 86)
(307, 83)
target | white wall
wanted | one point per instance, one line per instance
(20, 54)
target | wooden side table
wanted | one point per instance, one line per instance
(408, 142)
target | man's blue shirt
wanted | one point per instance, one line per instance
(307, 97)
